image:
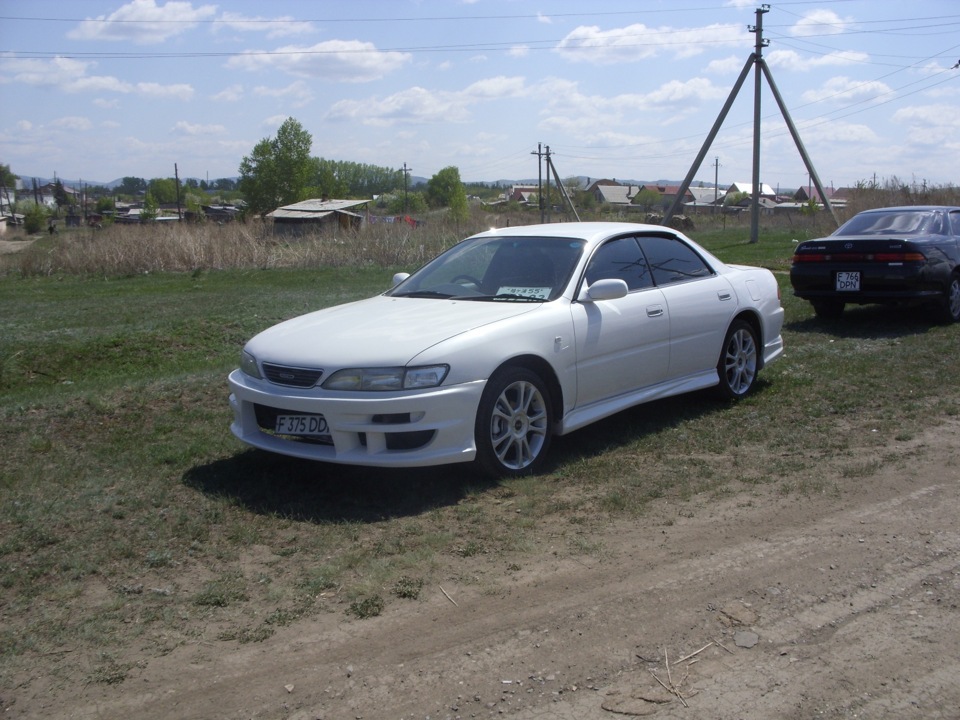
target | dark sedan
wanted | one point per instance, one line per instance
(897, 255)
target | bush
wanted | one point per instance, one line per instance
(35, 219)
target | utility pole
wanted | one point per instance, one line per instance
(758, 77)
(716, 183)
(548, 183)
(755, 59)
(406, 171)
(176, 178)
(563, 191)
(539, 155)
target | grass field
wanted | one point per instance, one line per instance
(132, 521)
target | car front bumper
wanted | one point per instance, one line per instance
(404, 429)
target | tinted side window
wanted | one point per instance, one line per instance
(620, 259)
(672, 261)
(955, 222)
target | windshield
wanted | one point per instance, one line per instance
(900, 222)
(517, 269)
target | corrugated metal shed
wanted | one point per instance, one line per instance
(314, 210)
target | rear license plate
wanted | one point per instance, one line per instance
(311, 425)
(848, 282)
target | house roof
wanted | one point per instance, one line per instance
(314, 209)
(747, 187)
(616, 194)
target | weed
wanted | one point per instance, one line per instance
(367, 607)
(407, 587)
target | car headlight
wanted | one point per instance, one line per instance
(381, 379)
(248, 365)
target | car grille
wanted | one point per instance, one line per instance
(291, 376)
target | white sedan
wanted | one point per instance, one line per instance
(507, 339)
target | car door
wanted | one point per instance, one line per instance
(621, 344)
(700, 303)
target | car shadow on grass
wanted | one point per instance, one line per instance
(649, 419)
(870, 321)
(310, 491)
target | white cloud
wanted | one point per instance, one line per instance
(106, 104)
(726, 66)
(494, 88)
(143, 22)
(843, 90)
(234, 93)
(179, 91)
(930, 124)
(274, 27)
(518, 51)
(72, 122)
(274, 120)
(337, 60)
(638, 42)
(419, 105)
(792, 60)
(71, 76)
(183, 127)
(298, 91)
(819, 22)
(413, 105)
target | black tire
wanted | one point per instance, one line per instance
(828, 309)
(739, 361)
(514, 424)
(950, 307)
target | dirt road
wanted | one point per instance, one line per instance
(837, 606)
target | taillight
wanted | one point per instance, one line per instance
(888, 257)
(899, 257)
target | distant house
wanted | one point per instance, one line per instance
(615, 194)
(311, 214)
(522, 193)
(667, 193)
(805, 194)
(48, 197)
(705, 199)
(747, 187)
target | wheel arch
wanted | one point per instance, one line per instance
(752, 318)
(546, 372)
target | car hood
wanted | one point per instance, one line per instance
(377, 332)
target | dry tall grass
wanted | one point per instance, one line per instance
(180, 247)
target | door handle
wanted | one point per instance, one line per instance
(654, 310)
(724, 295)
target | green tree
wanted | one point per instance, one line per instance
(151, 208)
(163, 190)
(34, 218)
(131, 186)
(647, 199)
(60, 195)
(446, 190)
(413, 204)
(7, 178)
(277, 172)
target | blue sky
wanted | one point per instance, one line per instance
(101, 89)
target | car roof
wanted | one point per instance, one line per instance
(905, 208)
(590, 231)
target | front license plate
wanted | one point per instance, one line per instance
(313, 425)
(848, 281)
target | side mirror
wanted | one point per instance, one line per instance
(399, 278)
(606, 289)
